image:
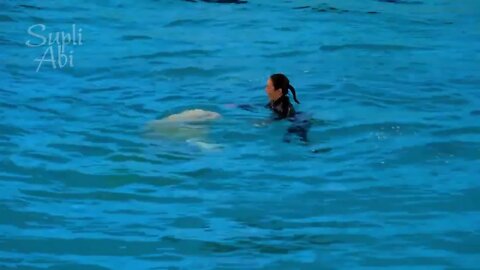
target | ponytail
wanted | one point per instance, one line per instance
(281, 81)
(293, 92)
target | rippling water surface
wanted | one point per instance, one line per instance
(388, 179)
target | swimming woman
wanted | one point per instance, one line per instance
(277, 89)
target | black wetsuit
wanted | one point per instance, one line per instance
(283, 109)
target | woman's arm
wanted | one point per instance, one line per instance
(246, 107)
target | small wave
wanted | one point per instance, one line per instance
(5, 18)
(436, 152)
(135, 37)
(369, 47)
(330, 9)
(184, 53)
(220, 1)
(458, 131)
(187, 22)
(31, 7)
(192, 71)
(289, 54)
(386, 127)
(82, 149)
(11, 130)
(405, 2)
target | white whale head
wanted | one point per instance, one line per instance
(189, 124)
(195, 115)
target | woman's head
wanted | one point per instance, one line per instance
(278, 86)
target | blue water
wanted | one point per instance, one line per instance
(388, 180)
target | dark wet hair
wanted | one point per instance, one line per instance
(281, 81)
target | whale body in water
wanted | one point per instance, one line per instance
(191, 116)
(191, 126)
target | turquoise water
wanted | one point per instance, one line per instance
(389, 178)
